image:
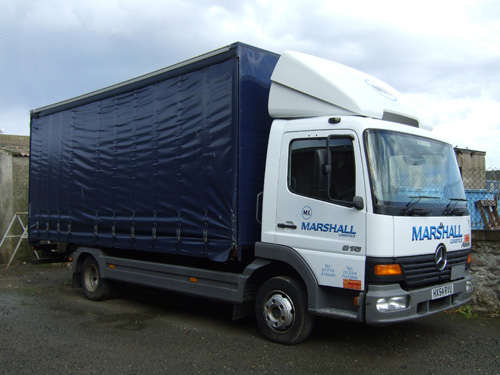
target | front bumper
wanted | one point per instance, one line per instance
(420, 301)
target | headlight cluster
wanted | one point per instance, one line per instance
(392, 304)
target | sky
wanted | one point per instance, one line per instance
(443, 55)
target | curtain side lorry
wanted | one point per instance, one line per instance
(288, 186)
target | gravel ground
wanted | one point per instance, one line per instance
(46, 327)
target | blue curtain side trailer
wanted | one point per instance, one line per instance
(168, 163)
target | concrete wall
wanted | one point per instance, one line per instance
(6, 186)
(472, 166)
(485, 268)
(20, 181)
(14, 175)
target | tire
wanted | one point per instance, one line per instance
(281, 311)
(95, 288)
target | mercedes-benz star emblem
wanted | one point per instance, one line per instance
(441, 257)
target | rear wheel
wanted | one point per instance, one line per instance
(281, 311)
(94, 286)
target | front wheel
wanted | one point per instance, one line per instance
(281, 311)
(94, 286)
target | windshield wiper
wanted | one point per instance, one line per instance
(410, 210)
(450, 209)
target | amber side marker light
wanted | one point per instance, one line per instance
(388, 270)
(469, 259)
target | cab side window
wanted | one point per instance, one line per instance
(322, 168)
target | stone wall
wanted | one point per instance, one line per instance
(485, 268)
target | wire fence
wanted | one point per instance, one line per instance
(481, 186)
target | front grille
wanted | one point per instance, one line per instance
(421, 270)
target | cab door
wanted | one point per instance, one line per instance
(320, 210)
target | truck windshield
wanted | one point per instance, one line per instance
(412, 175)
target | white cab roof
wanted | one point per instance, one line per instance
(309, 86)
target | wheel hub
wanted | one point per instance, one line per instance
(279, 311)
(91, 278)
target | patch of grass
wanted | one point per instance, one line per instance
(465, 310)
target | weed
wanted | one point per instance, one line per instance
(465, 311)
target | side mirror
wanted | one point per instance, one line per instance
(358, 202)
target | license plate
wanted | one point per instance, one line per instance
(442, 291)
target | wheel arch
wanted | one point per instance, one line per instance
(79, 257)
(287, 262)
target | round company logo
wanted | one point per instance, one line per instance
(441, 257)
(381, 90)
(307, 212)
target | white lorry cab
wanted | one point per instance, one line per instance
(371, 203)
(290, 186)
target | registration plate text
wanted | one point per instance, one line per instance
(442, 291)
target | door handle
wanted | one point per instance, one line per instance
(287, 225)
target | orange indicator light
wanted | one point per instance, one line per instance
(388, 270)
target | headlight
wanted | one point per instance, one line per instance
(468, 287)
(392, 304)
